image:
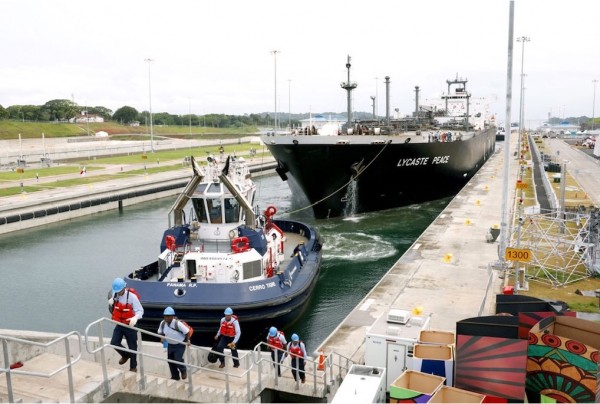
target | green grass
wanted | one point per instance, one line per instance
(30, 173)
(10, 129)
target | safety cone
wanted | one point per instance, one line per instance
(321, 361)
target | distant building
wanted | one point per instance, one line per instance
(84, 117)
(134, 123)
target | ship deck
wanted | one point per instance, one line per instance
(425, 136)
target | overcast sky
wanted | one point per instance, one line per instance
(215, 56)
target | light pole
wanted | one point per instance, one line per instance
(190, 114)
(521, 39)
(594, 103)
(150, 102)
(290, 105)
(275, 52)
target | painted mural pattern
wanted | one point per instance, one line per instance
(492, 366)
(561, 368)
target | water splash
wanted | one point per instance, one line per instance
(351, 199)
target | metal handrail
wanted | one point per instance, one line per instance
(192, 368)
(69, 365)
(329, 365)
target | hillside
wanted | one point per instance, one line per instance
(10, 129)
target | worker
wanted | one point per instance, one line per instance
(228, 336)
(276, 342)
(176, 333)
(297, 351)
(126, 309)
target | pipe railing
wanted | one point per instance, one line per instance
(192, 368)
(68, 366)
(311, 367)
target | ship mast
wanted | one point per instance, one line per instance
(349, 86)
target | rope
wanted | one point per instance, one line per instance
(346, 184)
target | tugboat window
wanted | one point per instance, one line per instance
(232, 210)
(214, 188)
(214, 210)
(200, 209)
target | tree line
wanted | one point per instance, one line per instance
(63, 110)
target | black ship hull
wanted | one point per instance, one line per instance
(341, 175)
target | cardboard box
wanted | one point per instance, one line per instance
(434, 359)
(584, 331)
(436, 337)
(453, 395)
(414, 386)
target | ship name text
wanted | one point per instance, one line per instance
(423, 161)
(254, 288)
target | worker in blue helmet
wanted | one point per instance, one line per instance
(177, 334)
(276, 342)
(297, 351)
(126, 309)
(228, 336)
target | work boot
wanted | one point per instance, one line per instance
(123, 360)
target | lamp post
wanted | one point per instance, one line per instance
(275, 52)
(290, 105)
(521, 39)
(190, 115)
(150, 103)
(594, 103)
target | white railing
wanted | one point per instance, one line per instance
(332, 367)
(192, 368)
(68, 366)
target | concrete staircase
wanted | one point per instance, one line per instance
(208, 383)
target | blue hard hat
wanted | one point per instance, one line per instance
(169, 311)
(228, 311)
(272, 331)
(295, 337)
(118, 285)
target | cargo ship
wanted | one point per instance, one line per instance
(381, 164)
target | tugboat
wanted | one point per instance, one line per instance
(226, 253)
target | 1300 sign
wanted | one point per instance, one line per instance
(515, 254)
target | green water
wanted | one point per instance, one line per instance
(56, 277)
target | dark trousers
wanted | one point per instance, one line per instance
(131, 337)
(278, 361)
(223, 341)
(175, 352)
(298, 366)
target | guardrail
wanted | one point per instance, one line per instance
(68, 366)
(336, 371)
(192, 368)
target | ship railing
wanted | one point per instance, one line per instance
(15, 343)
(325, 371)
(199, 354)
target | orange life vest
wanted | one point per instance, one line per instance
(275, 341)
(123, 311)
(227, 328)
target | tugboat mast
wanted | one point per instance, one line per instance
(349, 86)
